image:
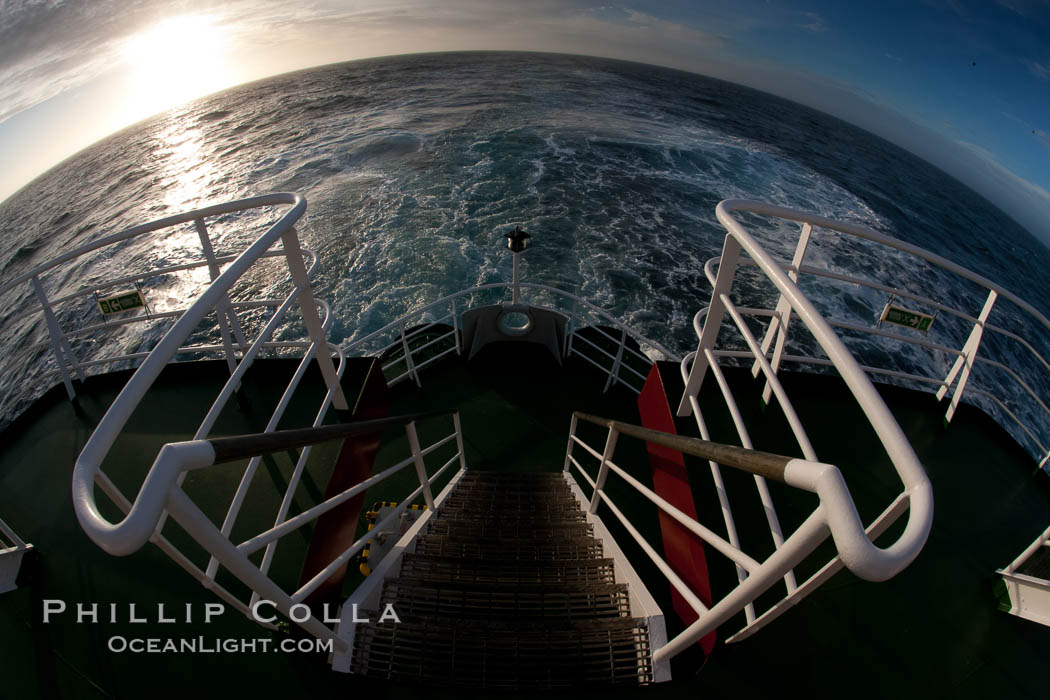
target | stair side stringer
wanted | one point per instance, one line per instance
(368, 594)
(643, 605)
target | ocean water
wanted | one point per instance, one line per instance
(414, 167)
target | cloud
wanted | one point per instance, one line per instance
(814, 22)
(1025, 8)
(898, 59)
(1039, 70)
(675, 31)
(52, 47)
(48, 47)
(1025, 201)
(953, 6)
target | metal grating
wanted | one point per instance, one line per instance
(435, 569)
(1037, 565)
(508, 656)
(495, 549)
(507, 589)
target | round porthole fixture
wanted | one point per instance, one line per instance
(514, 323)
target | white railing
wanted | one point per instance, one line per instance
(835, 515)
(87, 472)
(835, 510)
(12, 549)
(78, 305)
(1029, 590)
(959, 336)
(431, 332)
(161, 494)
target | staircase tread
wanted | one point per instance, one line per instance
(595, 562)
(507, 589)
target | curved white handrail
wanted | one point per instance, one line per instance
(875, 562)
(185, 217)
(135, 529)
(509, 285)
(726, 207)
(958, 381)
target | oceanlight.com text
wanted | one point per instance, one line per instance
(201, 645)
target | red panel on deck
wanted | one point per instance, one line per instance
(336, 530)
(683, 551)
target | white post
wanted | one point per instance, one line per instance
(459, 441)
(713, 323)
(421, 469)
(568, 448)
(408, 355)
(569, 330)
(516, 280)
(455, 329)
(615, 371)
(965, 361)
(603, 470)
(778, 325)
(59, 344)
(223, 312)
(294, 255)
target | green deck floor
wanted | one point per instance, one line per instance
(934, 631)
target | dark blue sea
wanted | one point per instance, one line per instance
(414, 167)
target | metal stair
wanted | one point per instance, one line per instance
(507, 589)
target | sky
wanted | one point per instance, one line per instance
(964, 84)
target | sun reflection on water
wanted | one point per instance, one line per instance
(186, 171)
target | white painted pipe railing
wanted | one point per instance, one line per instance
(12, 550)
(767, 353)
(965, 356)
(1029, 588)
(835, 514)
(231, 331)
(161, 492)
(406, 357)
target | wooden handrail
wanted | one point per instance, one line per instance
(766, 464)
(229, 449)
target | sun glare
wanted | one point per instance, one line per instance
(173, 61)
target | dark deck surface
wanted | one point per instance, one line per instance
(933, 631)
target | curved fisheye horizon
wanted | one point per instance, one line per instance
(945, 84)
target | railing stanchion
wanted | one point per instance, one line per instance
(421, 468)
(59, 344)
(515, 295)
(778, 325)
(603, 470)
(308, 306)
(224, 313)
(713, 323)
(966, 360)
(459, 440)
(570, 329)
(615, 371)
(568, 448)
(408, 355)
(455, 329)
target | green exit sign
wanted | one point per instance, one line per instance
(907, 318)
(124, 301)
